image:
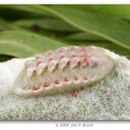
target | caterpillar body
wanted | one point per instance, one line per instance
(62, 70)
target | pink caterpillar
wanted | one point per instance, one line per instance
(62, 70)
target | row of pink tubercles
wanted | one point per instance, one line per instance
(71, 57)
(56, 83)
(63, 63)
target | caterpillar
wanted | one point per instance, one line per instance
(62, 70)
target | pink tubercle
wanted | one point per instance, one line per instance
(36, 88)
(72, 49)
(51, 60)
(74, 56)
(49, 53)
(39, 56)
(62, 57)
(39, 63)
(84, 58)
(27, 68)
(85, 78)
(66, 79)
(76, 78)
(60, 50)
(46, 84)
(42, 65)
(82, 49)
(57, 82)
(65, 59)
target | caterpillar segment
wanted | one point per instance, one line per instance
(62, 70)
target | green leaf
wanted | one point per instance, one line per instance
(110, 28)
(20, 11)
(122, 11)
(24, 44)
(82, 36)
(5, 25)
(5, 58)
(48, 24)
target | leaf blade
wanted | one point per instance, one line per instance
(48, 24)
(112, 29)
(82, 36)
(121, 11)
(23, 44)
